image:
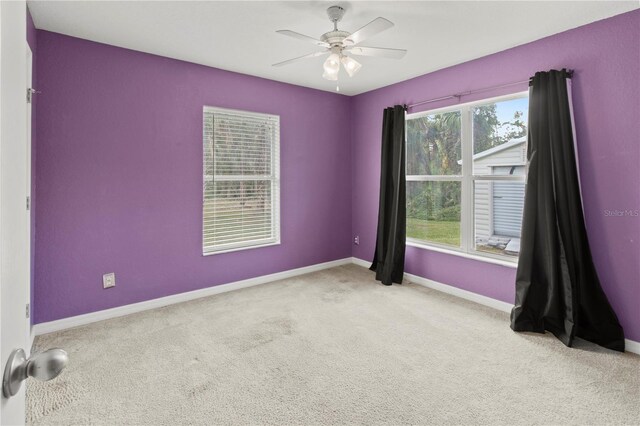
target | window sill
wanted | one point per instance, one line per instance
(229, 250)
(482, 258)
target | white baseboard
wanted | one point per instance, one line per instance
(630, 345)
(458, 292)
(361, 262)
(65, 323)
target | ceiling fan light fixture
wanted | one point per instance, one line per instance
(351, 66)
(332, 64)
(331, 67)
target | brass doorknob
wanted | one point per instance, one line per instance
(44, 366)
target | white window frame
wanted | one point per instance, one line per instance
(275, 187)
(467, 214)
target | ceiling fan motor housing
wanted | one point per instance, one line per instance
(335, 13)
(335, 38)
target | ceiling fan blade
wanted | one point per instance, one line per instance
(303, 37)
(299, 58)
(372, 28)
(381, 52)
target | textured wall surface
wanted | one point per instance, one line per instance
(119, 176)
(606, 98)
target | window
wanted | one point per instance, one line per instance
(466, 172)
(241, 188)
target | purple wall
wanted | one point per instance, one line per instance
(119, 179)
(606, 97)
(33, 45)
(119, 168)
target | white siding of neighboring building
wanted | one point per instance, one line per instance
(508, 204)
(512, 156)
(483, 212)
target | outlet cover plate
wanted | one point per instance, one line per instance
(109, 280)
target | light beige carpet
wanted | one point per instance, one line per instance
(332, 347)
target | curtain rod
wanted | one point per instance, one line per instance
(470, 92)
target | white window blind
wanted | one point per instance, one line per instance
(241, 196)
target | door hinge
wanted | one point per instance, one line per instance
(27, 311)
(30, 93)
(28, 202)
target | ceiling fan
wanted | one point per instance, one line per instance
(339, 44)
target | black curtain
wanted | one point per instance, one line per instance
(388, 259)
(557, 287)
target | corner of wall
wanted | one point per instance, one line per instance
(352, 171)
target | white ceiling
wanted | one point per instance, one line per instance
(240, 35)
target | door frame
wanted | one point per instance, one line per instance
(28, 186)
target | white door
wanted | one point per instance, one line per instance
(14, 189)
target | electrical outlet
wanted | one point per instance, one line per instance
(356, 240)
(109, 280)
